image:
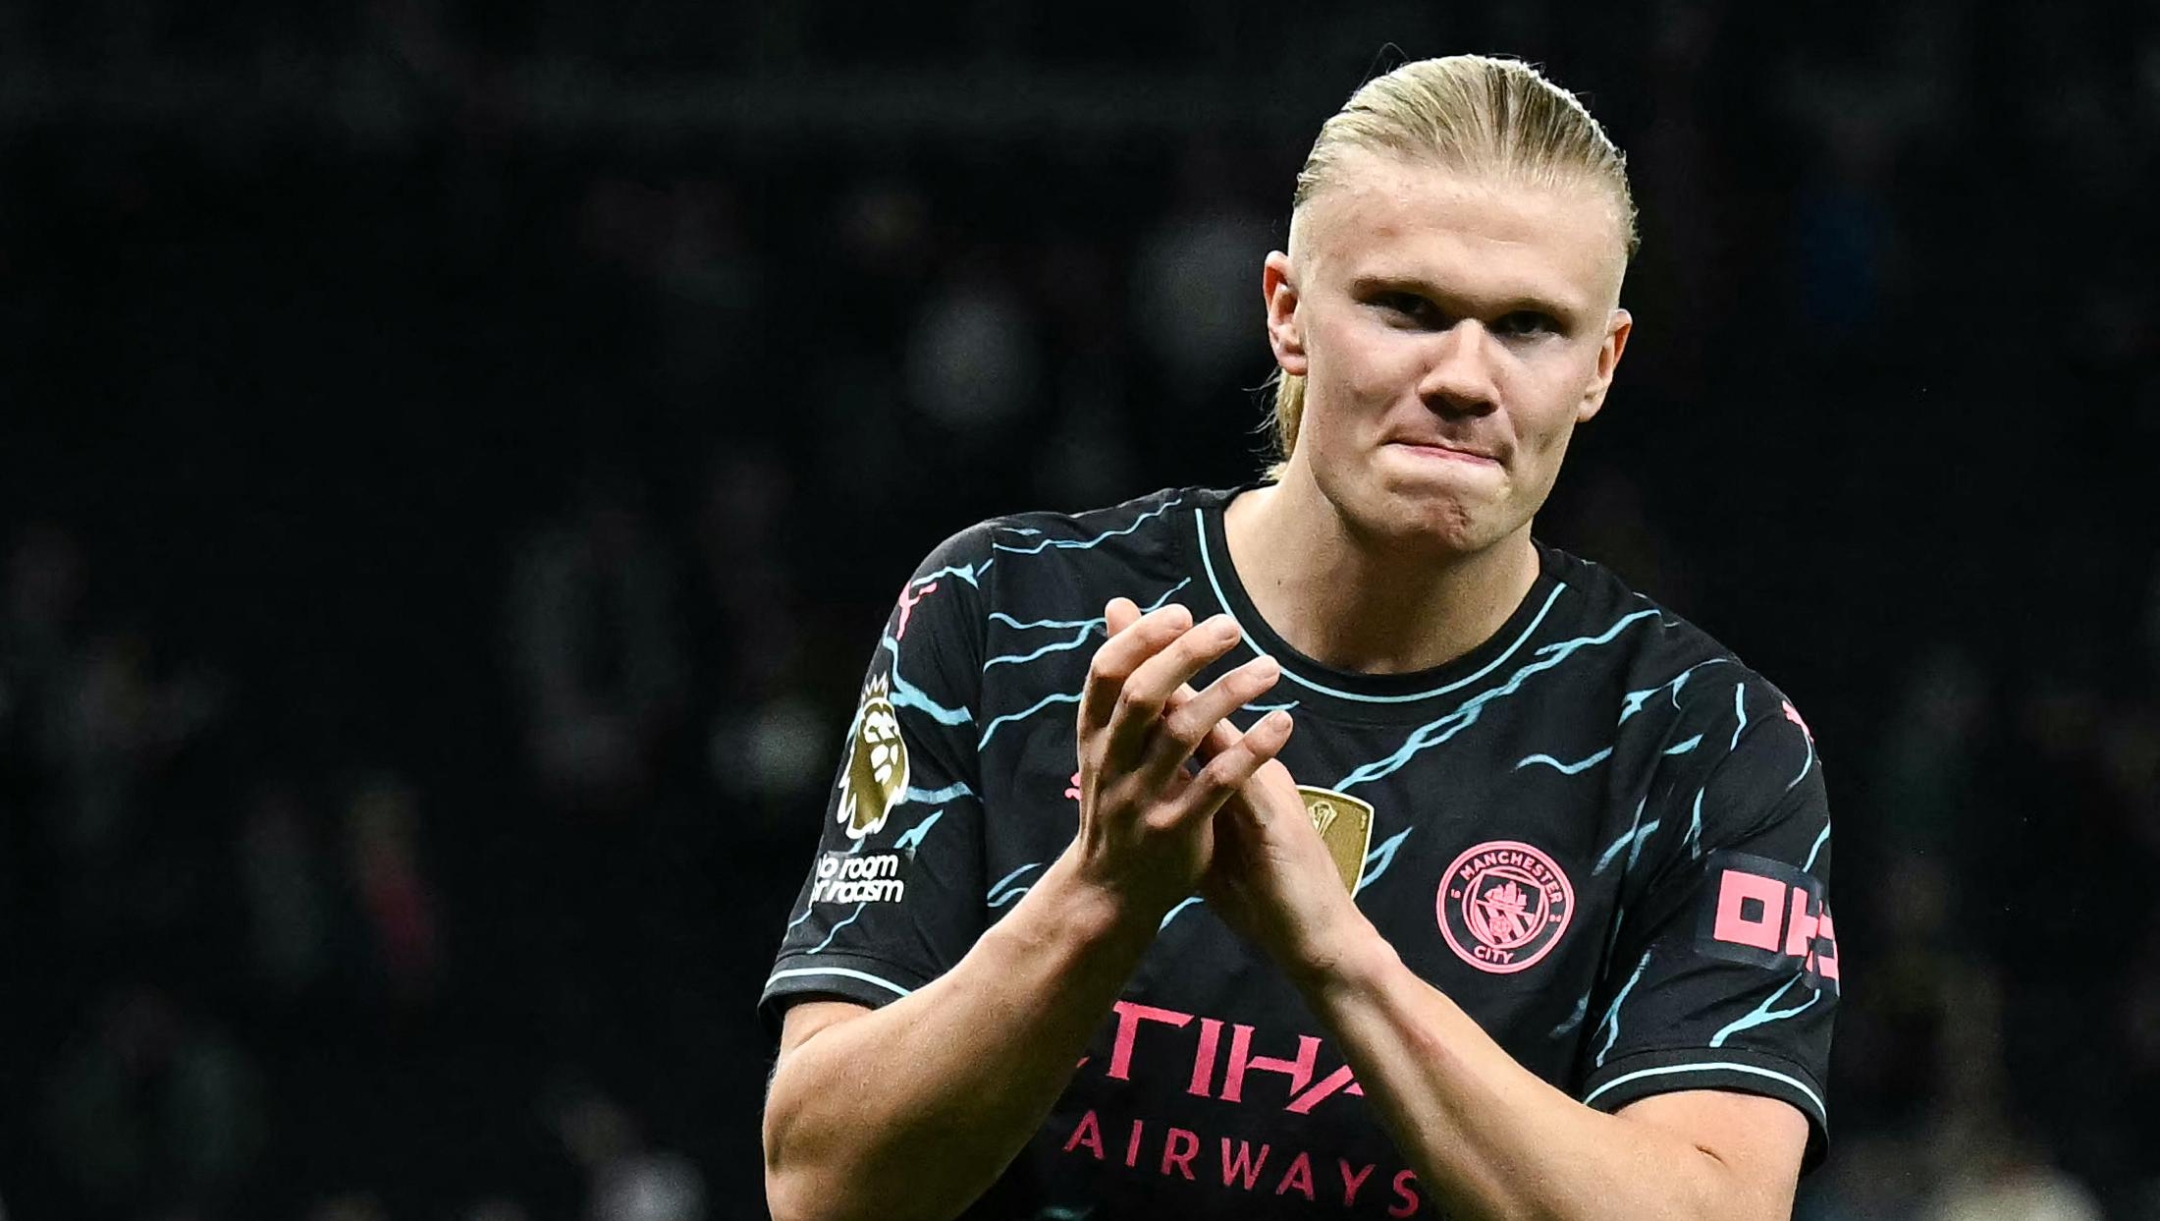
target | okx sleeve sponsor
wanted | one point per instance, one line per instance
(1723, 972)
(893, 897)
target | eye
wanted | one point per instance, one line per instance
(1524, 323)
(1410, 308)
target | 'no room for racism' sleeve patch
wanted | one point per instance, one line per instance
(893, 897)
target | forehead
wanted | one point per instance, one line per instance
(1382, 217)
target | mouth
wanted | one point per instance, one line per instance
(1441, 451)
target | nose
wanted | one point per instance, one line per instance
(1460, 378)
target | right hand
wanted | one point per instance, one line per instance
(1146, 819)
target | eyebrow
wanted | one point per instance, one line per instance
(1461, 304)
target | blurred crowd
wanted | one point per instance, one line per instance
(457, 457)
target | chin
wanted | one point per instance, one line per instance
(1430, 521)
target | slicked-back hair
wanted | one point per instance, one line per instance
(1495, 119)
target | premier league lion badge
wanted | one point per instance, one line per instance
(876, 776)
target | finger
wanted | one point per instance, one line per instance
(1221, 735)
(1120, 614)
(1147, 691)
(1122, 654)
(1237, 763)
(1190, 719)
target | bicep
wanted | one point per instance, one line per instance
(1758, 1141)
(808, 1018)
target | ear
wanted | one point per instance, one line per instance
(1616, 337)
(1278, 285)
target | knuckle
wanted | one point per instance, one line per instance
(1133, 703)
(1221, 771)
(1185, 727)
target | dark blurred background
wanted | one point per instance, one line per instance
(456, 454)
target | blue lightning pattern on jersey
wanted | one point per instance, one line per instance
(1815, 851)
(1739, 707)
(1807, 766)
(907, 695)
(1270, 707)
(1685, 747)
(1433, 733)
(852, 918)
(1086, 628)
(1014, 659)
(1611, 1024)
(950, 792)
(1582, 1009)
(912, 839)
(1098, 540)
(971, 574)
(1693, 842)
(1764, 1014)
(1023, 714)
(1634, 834)
(1635, 700)
(1572, 769)
(1641, 838)
(1007, 880)
(1385, 854)
(1188, 901)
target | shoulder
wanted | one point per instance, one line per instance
(1140, 522)
(1143, 520)
(1700, 727)
(1053, 560)
(1670, 655)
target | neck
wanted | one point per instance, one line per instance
(1359, 603)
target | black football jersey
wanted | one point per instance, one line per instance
(1599, 833)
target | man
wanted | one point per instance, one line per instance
(1543, 933)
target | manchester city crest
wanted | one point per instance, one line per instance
(1503, 906)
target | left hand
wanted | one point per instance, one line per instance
(1272, 880)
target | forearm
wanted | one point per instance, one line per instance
(1491, 1139)
(913, 1110)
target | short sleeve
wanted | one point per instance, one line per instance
(894, 894)
(1723, 972)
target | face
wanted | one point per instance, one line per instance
(1452, 332)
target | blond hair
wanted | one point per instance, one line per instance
(1475, 114)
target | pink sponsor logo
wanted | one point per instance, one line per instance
(1212, 1074)
(1771, 919)
(1503, 905)
(1223, 1060)
(1154, 1147)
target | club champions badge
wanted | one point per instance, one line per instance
(1345, 826)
